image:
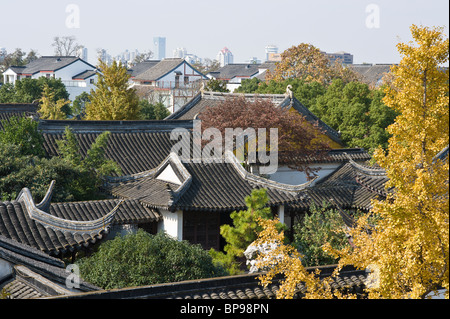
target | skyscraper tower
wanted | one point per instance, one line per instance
(225, 57)
(160, 47)
(270, 51)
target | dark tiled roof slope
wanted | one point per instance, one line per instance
(351, 186)
(241, 287)
(10, 110)
(158, 70)
(16, 224)
(220, 186)
(51, 63)
(35, 274)
(128, 212)
(136, 146)
(230, 71)
(210, 99)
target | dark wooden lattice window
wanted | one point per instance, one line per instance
(202, 228)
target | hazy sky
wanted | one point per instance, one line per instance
(367, 29)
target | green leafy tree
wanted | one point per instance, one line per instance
(23, 132)
(353, 109)
(153, 111)
(36, 173)
(49, 108)
(144, 259)
(322, 225)
(77, 177)
(29, 90)
(79, 104)
(112, 98)
(7, 93)
(243, 231)
(92, 168)
(215, 85)
(357, 112)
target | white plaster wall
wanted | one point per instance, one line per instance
(172, 224)
(169, 79)
(66, 73)
(9, 76)
(289, 176)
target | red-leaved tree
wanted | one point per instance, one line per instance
(298, 140)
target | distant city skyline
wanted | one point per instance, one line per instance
(369, 30)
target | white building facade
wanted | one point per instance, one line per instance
(225, 57)
(77, 75)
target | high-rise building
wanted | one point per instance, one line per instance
(179, 53)
(160, 47)
(343, 57)
(271, 51)
(225, 57)
(82, 53)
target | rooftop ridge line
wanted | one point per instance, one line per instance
(293, 189)
(64, 225)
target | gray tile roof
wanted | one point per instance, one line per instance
(350, 186)
(371, 74)
(240, 287)
(206, 186)
(17, 224)
(158, 70)
(35, 274)
(128, 212)
(141, 67)
(231, 71)
(9, 110)
(50, 63)
(136, 146)
(84, 75)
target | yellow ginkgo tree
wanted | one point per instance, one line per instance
(49, 108)
(408, 249)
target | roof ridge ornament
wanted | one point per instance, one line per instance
(44, 205)
(294, 189)
(373, 171)
(61, 224)
(289, 91)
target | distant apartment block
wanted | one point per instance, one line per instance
(225, 57)
(160, 47)
(82, 53)
(77, 75)
(272, 53)
(343, 57)
(233, 74)
(180, 53)
(172, 81)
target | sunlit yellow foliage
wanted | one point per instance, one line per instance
(410, 244)
(48, 108)
(113, 99)
(286, 260)
(408, 249)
